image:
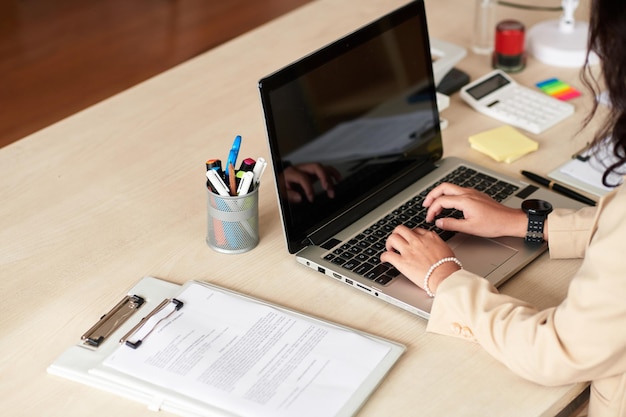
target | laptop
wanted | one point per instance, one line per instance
(363, 109)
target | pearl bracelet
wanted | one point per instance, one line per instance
(432, 269)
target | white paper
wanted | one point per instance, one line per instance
(591, 170)
(251, 359)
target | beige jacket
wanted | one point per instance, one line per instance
(582, 339)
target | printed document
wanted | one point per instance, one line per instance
(251, 359)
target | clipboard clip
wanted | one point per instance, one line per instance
(137, 334)
(112, 320)
(584, 154)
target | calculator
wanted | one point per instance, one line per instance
(497, 95)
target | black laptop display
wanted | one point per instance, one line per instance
(364, 109)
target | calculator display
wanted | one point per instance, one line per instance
(488, 86)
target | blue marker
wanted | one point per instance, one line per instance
(232, 156)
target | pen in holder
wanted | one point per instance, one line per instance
(233, 222)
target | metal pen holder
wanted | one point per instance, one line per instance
(233, 222)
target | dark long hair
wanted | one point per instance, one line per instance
(607, 38)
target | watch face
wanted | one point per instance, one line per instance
(539, 207)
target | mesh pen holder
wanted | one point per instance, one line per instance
(233, 222)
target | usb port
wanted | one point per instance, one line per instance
(349, 281)
(320, 269)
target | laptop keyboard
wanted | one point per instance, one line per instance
(361, 254)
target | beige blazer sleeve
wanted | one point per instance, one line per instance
(583, 338)
(569, 231)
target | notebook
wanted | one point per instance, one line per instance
(363, 110)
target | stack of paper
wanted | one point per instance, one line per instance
(503, 144)
(207, 351)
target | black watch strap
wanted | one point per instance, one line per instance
(534, 232)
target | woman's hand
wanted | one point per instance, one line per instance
(482, 215)
(413, 252)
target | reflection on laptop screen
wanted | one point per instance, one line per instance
(362, 110)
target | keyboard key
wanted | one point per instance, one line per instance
(351, 264)
(384, 280)
(363, 268)
(377, 271)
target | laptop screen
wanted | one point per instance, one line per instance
(359, 114)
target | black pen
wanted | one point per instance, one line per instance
(559, 188)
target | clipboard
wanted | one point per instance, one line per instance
(584, 171)
(85, 362)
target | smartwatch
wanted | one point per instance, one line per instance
(537, 212)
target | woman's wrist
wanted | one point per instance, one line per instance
(438, 272)
(521, 227)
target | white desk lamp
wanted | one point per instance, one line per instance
(561, 43)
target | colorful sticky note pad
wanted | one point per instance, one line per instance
(558, 89)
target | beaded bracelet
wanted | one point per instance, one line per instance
(435, 266)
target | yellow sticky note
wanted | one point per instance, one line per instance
(503, 143)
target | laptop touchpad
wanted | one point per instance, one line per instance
(479, 255)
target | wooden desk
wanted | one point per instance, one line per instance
(116, 192)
